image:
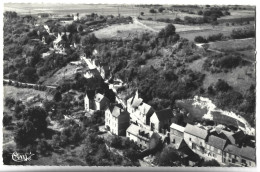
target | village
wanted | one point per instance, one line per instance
(135, 119)
(195, 128)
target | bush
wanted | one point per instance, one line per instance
(243, 33)
(7, 119)
(216, 37)
(116, 142)
(9, 102)
(200, 39)
(222, 85)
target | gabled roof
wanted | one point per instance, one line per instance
(117, 111)
(216, 142)
(178, 142)
(135, 101)
(144, 108)
(99, 97)
(248, 152)
(111, 107)
(232, 149)
(196, 131)
(90, 94)
(177, 127)
(164, 114)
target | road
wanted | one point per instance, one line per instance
(48, 86)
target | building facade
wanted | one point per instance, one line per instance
(116, 120)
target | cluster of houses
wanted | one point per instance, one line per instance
(141, 123)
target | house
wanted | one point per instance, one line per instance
(116, 120)
(195, 138)
(176, 136)
(248, 156)
(101, 102)
(93, 101)
(88, 100)
(161, 121)
(214, 147)
(133, 103)
(139, 135)
(142, 115)
(244, 156)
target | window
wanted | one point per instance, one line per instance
(152, 127)
(224, 159)
(219, 151)
(200, 144)
(193, 146)
(190, 139)
(249, 163)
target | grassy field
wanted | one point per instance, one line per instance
(237, 78)
(236, 44)
(23, 93)
(67, 72)
(206, 30)
(124, 31)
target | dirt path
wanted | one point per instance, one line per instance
(136, 21)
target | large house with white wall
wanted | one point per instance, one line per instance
(116, 120)
(195, 138)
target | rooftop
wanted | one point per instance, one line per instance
(196, 131)
(117, 111)
(164, 114)
(134, 129)
(248, 152)
(177, 127)
(217, 142)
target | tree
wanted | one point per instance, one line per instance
(7, 119)
(79, 28)
(30, 75)
(200, 12)
(9, 102)
(37, 115)
(222, 85)
(169, 30)
(25, 134)
(90, 40)
(116, 142)
(200, 39)
(132, 154)
(57, 96)
(161, 9)
(169, 157)
(152, 11)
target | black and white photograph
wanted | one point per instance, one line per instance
(129, 85)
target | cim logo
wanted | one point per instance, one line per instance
(18, 157)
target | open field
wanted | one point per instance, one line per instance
(82, 9)
(206, 30)
(124, 31)
(236, 44)
(23, 93)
